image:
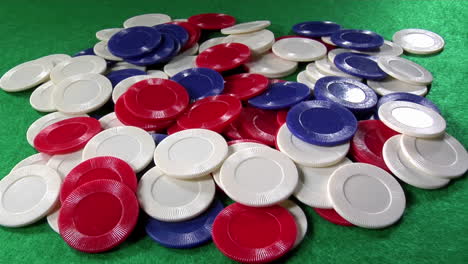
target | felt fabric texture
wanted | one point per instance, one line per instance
(434, 228)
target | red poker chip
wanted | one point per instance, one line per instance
(98, 216)
(212, 112)
(254, 234)
(281, 117)
(66, 136)
(212, 21)
(259, 124)
(245, 85)
(232, 142)
(110, 168)
(156, 99)
(332, 216)
(127, 118)
(367, 143)
(223, 57)
(193, 31)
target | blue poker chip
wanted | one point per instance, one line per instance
(117, 76)
(175, 30)
(134, 42)
(158, 137)
(200, 82)
(186, 234)
(360, 65)
(315, 29)
(357, 39)
(321, 123)
(165, 51)
(281, 95)
(347, 92)
(408, 97)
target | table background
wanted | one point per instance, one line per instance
(434, 228)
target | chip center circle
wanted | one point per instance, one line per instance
(98, 174)
(247, 174)
(358, 188)
(330, 121)
(178, 151)
(66, 133)
(412, 117)
(252, 229)
(184, 192)
(357, 37)
(80, 92)
(157, 97)
(209, 111)
(24, 194)
(347, 91)
(419, 40)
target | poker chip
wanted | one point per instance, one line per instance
(200, 82)
(175, 30)
(315, 29)
(186, 234)
(41, 97)
(101, 49)
(259, 124)
(106, 34)
(300, 219)
(210, 43)
(244, 233)
(399, 165)
(77, 65)
(367, 143)
(166, 50)
(63, 164)
(350, 188)
(391, 85)
(191, 153)
(154, 98)
(412, 119)
(98, 216)
(332, 216)
(42, 186)
(125, 84)
(118, 76)
(212, 21)
(110, 120)
(26, 75)
(332, 53)
(66, 136)
(307, 154)
(303, 78)
(299, 49)
(352, 94)
(179, 64)
(271, 66)
(442, 157)
(313, 73)
(110, 168)
(168, 199)
(316, 122)
(193, 31)
(323, 66)
(259, 42)
(360, 65)
(405, 70)
(246, 27)
(281, 95)
(35, 159)
(408, 97)
(245, 85)
(242, 183)
(52, 219)
(387, 49)
(223, 57)
(357, 39)
(419, 41)
(130, 144)
(146, 20)
(233, 132)
(212, 112)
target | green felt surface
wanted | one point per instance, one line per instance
(434, 228)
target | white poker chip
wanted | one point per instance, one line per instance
(78, 65)
(419, 41)
(259, 42)
(243, 183)
(173, 200)
(26, 75)
(412, 119)
(246, 27)
(387, 49)
(443, 157)
(101, 50)
(109, 121)
(63, 164)
(52, 219)
(271, 66)
(391, 85)
(303, 78)
(307, 154)
(366, 196)
(121, 65)
(56, 58)
(405, 70)
(35, 159)
(300, 219)
(312, 187)
(44, 122)
(130, 144)
(313, 73)
(157, 74)
(332, 53)
(231, 150)
(189, 52)
(82, 93)
(41, 97)
(325, 67)
(179, 64)
(147, 20)
(399, 165)
(106, 34)
(125, 84)
(299, 49)
(191, 153)
(27, 195)
(210, 43)
(327, 39)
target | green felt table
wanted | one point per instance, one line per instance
(434, 228)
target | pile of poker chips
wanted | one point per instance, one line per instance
(84, 178)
